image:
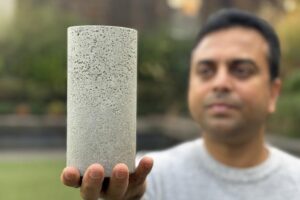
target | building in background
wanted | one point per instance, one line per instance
(139, 14)
(182, 17)
(7, 14)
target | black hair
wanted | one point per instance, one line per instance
(227, 18)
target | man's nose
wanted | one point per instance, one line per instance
(222, 80)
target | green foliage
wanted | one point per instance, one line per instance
(10, 87)
(291, 83)
(33, 64)
(163, 73)
(7, 107)
(289, 31)
(33, 55)
(287, 117)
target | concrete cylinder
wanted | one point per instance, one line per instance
(101, 97)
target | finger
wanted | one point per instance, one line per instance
(118, 182)
(70, 176)
(141, 172)
(92, 182)
(135, 191)
(137, 183)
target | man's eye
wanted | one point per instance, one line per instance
(242, 70)
(205, 71)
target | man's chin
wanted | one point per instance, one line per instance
(223, 130)
(221, 124)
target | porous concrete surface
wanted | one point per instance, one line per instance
(101, 96)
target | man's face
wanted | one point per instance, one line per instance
(230, 92)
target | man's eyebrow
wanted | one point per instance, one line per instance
(206, 62)
(243, 60)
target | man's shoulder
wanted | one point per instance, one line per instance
(180, 153)
(288, 158)
(182, 149)
(289, 163)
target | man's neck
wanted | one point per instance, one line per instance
(243, 155)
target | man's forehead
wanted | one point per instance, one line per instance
(234, 39)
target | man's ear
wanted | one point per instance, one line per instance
(275, 89)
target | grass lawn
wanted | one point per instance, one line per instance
(34, 180)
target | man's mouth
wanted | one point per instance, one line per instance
(220, 108)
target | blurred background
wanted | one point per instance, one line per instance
(33, 79)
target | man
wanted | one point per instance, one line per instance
(233, 88)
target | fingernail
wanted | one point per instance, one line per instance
(120, 174)
(95, 175)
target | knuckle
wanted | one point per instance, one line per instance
(112, 197)
(141, 191)
(87, 191)
(116, 192)
(120, 183)
(88, 194)
(136, 193)
(136, 180)
(136, 196)
(83, 195)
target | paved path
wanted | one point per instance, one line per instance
(33, 154)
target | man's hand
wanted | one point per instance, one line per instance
(121, 185)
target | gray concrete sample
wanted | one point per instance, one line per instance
(101, 97)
